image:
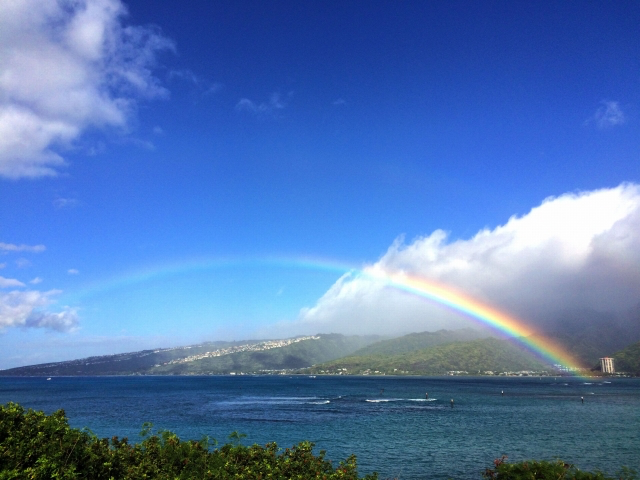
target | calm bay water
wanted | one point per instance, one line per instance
(386, 421)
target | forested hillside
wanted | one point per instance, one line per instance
(478, 356)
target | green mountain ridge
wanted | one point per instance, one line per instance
(473, 357)
(208, 358)
(131, 362)
(419, 341)
(424, 353)
(297, 355)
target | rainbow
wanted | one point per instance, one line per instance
(499, 321)
(502, 323)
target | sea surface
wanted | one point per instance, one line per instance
(387, 422)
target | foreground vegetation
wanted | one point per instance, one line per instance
(38, 446)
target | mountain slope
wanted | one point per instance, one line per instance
(207, 358)
(590, 335)
(420, 341)
(628, 360)
(317, 349)
(477, 356)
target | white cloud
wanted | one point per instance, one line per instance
(23, 263)
(205, 87)
(609, 114)
(575, 251)
(66, 66)
(10, 282)
(214, 88)
(64, 321)
(26, 309)
(60, 202)
(36, 281)
(10, 247)
(73, 271)
(185, 75)
(3, 265)
(275, 103)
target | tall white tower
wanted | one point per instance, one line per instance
(606, 365)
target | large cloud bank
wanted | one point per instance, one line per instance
(67, 66)
(579, 252)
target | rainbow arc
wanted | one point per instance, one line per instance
(441, 294)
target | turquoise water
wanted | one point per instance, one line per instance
(386, 421)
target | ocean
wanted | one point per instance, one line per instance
(387, 422)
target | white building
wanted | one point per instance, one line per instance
(606, 365)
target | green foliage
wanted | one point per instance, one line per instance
(42, 447)
(488, 354)
(419, 341)
(546, 470)
(628, 360)
(36, 446)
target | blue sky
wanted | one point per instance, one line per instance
(173, 174)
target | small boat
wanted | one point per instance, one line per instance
(49, 378)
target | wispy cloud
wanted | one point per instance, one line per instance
(339, 102)
(61, 202)
(10, 247)
(573, 252)
(36, 281)
(73, 271)
(214, 88)
(275, 103)
(23, 262)
(608, 115)
(184, 75)
(96, 69)
(27, 309)
(205, 87)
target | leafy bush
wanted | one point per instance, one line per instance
(43, 447)
(545, 470)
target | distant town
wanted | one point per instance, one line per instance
(251, 347)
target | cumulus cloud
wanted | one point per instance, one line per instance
(578, 251)
(609, 114)
(28, 309)
(66, 66)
